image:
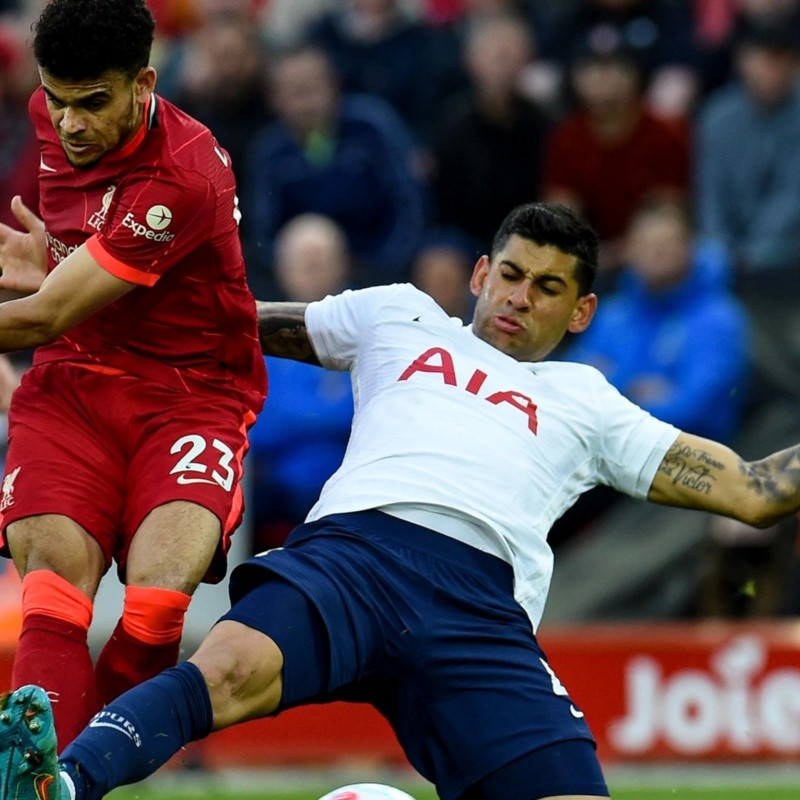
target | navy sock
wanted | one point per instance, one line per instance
(139, 732)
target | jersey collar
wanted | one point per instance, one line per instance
(150, 121)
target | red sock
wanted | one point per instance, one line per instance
(145, 642)
(52, 651)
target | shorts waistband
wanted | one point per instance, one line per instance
(437, 545)
(461, 529)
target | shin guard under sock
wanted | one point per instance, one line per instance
(53, 653)
(145, 642)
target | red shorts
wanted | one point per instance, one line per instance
(106, 449)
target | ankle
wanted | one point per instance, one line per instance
(72, 784)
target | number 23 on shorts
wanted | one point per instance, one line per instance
(203, 462)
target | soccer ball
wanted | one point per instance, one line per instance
(367, 791)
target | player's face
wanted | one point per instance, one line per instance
(528, 299)
(96, 116)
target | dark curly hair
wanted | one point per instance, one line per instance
(82, 39)
(557, 225)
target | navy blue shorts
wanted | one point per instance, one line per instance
(427, 630)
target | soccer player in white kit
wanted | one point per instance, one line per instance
(419, 578)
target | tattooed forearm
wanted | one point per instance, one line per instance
(777, 479)
(708, 476)
(690, 468)
(282, 331)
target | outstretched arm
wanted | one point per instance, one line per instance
(704, 475)
(77, 288)
(282, 331)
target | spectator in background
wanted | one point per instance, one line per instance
(174, 18)
(718, 33)
(748, 158)
(673, 337)
(613, 153)
(536, 12)
(220, 82)
(178, 20)
(300, 441)
(284, 22)
(540, 82)
(465, 13)
(19, 150)
(749, 194)
(658, 32)
(442, 268)
(489, 151)
(380, 48)
(349, 158)
(440, 12)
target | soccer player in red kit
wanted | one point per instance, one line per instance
(127, 434)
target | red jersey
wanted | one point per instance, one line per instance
(160, 212)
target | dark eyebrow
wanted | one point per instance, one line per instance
(552, 279)
(81, 100)
(506, 263)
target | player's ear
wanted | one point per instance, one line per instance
(479, 274)
(582, 313)
(144, 83)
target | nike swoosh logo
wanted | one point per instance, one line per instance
(222, 157)
(183, 479)
(44, 167)
(575, 713)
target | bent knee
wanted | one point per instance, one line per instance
(242, 669)
(57, 544)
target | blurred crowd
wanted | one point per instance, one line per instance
(384, 140)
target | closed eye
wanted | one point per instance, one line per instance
(511, 275)
(551, 289)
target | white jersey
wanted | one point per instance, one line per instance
(492, 448)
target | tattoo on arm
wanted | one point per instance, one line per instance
(282, 331)
(770, 489)
(691, 468)
(777, 479)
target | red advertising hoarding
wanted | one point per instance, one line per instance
(693, 691)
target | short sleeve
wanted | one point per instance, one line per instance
(632, 444)
(339, 324)
(154, 221)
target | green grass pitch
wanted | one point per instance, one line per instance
(750, 792)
